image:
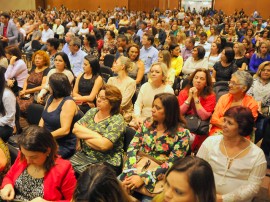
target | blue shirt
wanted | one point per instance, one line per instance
(65, 49)
(148, 56)
(76, 61)
(255, 61)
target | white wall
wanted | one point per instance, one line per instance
(6, 5)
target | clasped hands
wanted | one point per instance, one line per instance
(132, 182)
(193, 92)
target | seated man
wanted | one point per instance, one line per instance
(76, 56)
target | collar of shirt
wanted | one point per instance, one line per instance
(147, 48)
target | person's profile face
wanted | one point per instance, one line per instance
(177, 188)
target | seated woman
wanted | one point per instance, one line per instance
(196, 61)
(143, 104)
(260, 92)
(37, 77)
(194, 177)
(62, 65)
(59, 113)
(199, 99)
(87, 84)
(7, 108)
(90, 45)
(239, 84)
(101, 132)
(91, 186)
(162, 139)
(249, 49)
(214, 55)
(137, 72)
(223, 70)
(4, 160)
(231, 36)
(239, 166)
(125, 84)
(239, 58)
(176, 59)
(259, 57)
(38, 173)
(16, 72)
(165, 57)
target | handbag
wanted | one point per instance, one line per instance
(148, 163)
(196, 125)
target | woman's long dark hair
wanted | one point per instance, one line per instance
(2, 88)
(173, 119)
(66, 60)
(99, 183)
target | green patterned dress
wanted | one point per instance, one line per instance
(111, 128)
(166, 149)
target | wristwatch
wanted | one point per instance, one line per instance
(197, 101)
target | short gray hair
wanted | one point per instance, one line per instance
(244, 78)
(76, 41)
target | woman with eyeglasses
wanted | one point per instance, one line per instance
(260, 92)
(100, 132)
(239, 84)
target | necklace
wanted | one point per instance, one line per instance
(231, 159)
(223, 180)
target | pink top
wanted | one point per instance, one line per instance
(19, 71)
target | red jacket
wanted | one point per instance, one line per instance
(59, 181)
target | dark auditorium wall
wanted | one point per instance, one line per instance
(229, 6)
(87, 4)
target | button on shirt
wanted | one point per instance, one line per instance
(148, 56)
(76, 61)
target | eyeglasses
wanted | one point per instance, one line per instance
(102, 98)
(233, 83)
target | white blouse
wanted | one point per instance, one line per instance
(240, 182)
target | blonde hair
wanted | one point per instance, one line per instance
(242, 49)
(260, 68)
(166, 57)
(163, 68)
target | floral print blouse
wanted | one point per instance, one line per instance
(166, 149)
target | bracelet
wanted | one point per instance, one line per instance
(187, 102)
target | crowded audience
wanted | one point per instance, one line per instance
(133, 94)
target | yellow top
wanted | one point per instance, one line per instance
(177, 64)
